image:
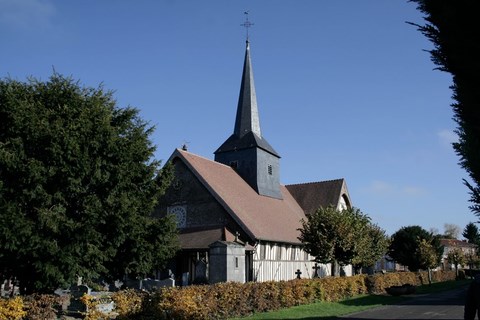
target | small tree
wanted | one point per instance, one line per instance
(427, 255)
(342, 237)
(472, 260)
(371, 247)
(456, 257)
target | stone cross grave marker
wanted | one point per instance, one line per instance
(316, 267)
(298, 273)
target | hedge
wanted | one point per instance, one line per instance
(223, 300)
(232, 299)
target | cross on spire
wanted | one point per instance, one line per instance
(247, 24)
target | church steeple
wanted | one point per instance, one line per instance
(247, 111)
(246, 150)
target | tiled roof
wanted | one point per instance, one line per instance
(200, 238)
(263, 218)
(456, 243)
(248, 140)
(311, 196)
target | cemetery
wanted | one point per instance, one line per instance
(84, 195)
(163, 300)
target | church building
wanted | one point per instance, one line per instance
(236, 221)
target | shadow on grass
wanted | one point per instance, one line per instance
(403, 306)
(428, 299)
(373, 300)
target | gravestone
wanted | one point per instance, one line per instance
(165, 274)
(115, 286)
(133, 284)
(105, 302)
(152, 284)
(5, 289)
(9, 288)
(77, 292)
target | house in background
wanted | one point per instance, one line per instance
(236, 221)
(468, 249)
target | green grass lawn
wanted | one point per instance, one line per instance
(330, 310)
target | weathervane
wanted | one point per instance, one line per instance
(247, 24)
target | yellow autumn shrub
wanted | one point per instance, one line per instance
(128, 302)
(11, 309)
(92, 312)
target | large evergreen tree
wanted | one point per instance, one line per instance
(77, 186)
(471, 233)
(453, 27)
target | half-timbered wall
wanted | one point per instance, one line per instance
(279, 261)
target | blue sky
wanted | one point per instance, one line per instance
(344, 88)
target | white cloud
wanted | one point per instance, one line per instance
(413, 191)
(447, 137)
(382, 188)
(26, 14)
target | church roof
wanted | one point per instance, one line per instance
(261, 217)
(313, 195)
(200, 238)
(247, 133)
(247, 111)
(249, 140)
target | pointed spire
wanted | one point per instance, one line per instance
(247, 111)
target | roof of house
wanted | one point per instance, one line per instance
(313, 195)
(261, 217)
(456, 243)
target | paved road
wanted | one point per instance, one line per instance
(444, 305)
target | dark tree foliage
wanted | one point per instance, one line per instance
(454, 29)
(404, 246)
(471, 233)
(77, 186)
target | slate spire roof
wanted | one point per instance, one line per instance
(247, 111)
(247, 133)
